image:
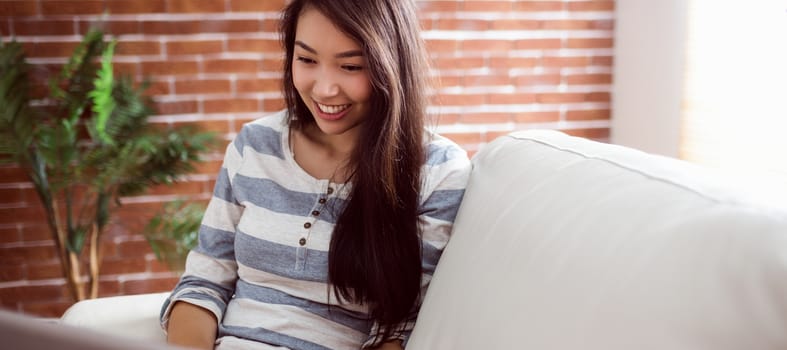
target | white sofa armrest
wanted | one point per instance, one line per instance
(135, 316)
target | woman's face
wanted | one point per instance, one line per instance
(330, 73)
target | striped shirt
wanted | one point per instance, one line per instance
(250, 269)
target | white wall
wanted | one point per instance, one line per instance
(648, 74)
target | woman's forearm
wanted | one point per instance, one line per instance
(191, 326)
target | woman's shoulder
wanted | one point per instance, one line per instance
(441, 150)
(263, 134)
(276, 121)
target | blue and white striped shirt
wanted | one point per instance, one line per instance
(250, 269)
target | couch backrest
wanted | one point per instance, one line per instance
(566, 243)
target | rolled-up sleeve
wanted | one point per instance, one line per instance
(211, 270)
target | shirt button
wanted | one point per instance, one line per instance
(307, 225)
(315, 213)
(322, 201)
(330, 190)
(302, 241)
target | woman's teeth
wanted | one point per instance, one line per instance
(332, 109)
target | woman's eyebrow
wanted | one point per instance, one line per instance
(351, 53)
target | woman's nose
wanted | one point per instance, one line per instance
(325, 85)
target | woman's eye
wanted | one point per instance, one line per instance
(306, 60)
(352, 68)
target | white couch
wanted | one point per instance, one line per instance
(566, 243)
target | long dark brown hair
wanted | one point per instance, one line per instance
(375, 251)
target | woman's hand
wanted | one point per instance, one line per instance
(191, 326)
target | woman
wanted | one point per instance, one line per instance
(328, 218)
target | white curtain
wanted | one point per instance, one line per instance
(735, 94)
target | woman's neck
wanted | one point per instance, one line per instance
(323, 156)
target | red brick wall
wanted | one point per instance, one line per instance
(503, 66)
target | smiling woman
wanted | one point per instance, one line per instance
(328, 218)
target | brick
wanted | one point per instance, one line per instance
(603, 24)
(158, 88)
(538, 80)
(555, 62)
(210, 167)
(118, 266)
(133, 249)
(194, 47)
(34, 292)
(459, 62)
(560, 97)
(199, 27)
(255, 45)
(12, 272)
(439, 46)
(515, 24)
(44, 270)
(464, 138)
(71, 7)
(17, 255)
(231, 66)
(135, 48)
(208, 86)
(149, 285)
(258, 85)
(588, 115)
(108, 286)
(604, 61)
(598, 96)
(36, 232)
(589, 43)
(127, 68)
(486, 118)
(487, 45)
(195, 6)
(169, 68)
(28, 214)
(438, 6)
(39, 27)
(112, 27)
(18, 8)
(536, 117)
(567, 25)
(589, 79)
(117, 7)
(53, 309)
(444, 119)
(176, 107)
(257, 5)
(273, 64)
(461, 100)
(11, 195)
(537, 44)
(236, 105)
(538, 6)
(482, 6)
(270, 25)
(487, 80)
(448, 81)
(272, 104)
(462, 24)
(512, 98)
(10, 235)
(591, 6)
(599, 134)
(50, 49)
(512, 62)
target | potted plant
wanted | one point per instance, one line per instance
(85, 145)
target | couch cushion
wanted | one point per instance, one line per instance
(566, 243)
